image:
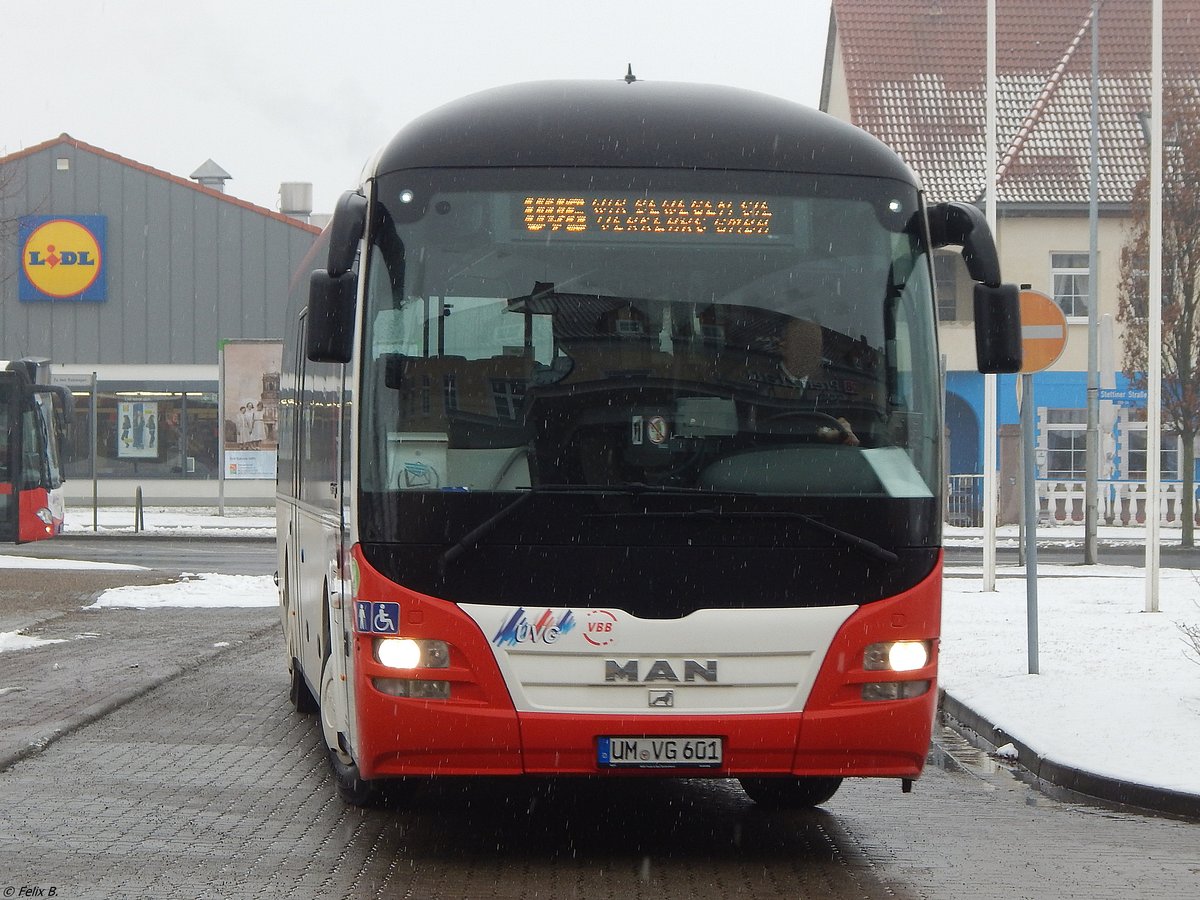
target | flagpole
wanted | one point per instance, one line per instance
(1154, 324)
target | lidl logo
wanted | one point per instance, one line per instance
(62, 257)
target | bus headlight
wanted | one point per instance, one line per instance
(896, 656)
(406, 653)
(45, 515)
(412, 688)
(894, 690)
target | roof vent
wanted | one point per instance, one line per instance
(295, 199)
(210, 175)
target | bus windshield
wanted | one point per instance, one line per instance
(755, 333)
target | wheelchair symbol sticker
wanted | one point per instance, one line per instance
(376, 618)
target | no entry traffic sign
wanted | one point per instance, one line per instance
(1043, 331)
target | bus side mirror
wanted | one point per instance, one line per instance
(330, 327)
(345, 231)
(997, 305)
(963, 225)
(998, 329)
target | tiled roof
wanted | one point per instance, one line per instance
(915, 78)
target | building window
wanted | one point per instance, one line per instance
(509, 397)
(945, 279)
(1069, 272)
(1066, 443)
(146, 434)
(1135, 469)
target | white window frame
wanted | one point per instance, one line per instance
(1076, 430)
(1073, 272)
(945, 277)
(1170, 446)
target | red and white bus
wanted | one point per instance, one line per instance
(34, 418)
(611, 446)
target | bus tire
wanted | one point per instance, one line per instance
(302, 698)
(351, 788)
(790, 793)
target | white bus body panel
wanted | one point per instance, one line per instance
(714, 661)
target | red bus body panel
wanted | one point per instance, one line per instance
(479, 731)
(30, 526)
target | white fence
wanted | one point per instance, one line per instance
(1061, 502)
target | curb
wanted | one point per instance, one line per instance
(988, 736)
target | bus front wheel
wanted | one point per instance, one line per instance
(790, 793)
(350, 787)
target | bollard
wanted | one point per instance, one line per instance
(139, 515)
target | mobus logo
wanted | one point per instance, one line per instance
(62, 258)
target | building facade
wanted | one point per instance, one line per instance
(913, 74)
(129, 279)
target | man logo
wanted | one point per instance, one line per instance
(61, 259)
(661, 670)
(662, 699)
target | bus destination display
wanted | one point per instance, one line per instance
(611, 215)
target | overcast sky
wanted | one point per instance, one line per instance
(301, 90)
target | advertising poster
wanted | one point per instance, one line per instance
(250, 407)
(137, 429)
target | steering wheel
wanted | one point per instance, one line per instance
(829, 428)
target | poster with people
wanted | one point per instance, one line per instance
(250, 407)
(137, 429)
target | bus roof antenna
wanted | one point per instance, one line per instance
(630, 78)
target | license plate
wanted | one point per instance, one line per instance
(660, 752)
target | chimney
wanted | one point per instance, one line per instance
(210, 175)
(295, 199)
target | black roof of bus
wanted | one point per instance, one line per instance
(643, 124)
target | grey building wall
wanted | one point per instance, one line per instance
(186, 266)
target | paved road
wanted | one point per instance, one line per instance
(230, 556)
(210, 786)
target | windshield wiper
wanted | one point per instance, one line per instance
(870, 548)
(469, 540)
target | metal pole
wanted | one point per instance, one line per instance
(1031, 563)
(1154, 324)
(95, 470)
(1091, 503)
(989, 381)
(221, 430)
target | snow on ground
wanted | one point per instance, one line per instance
(198, 520)
(12, 640)
(207, 590)
(1118, 692)
(1008, 536)
(29, 562)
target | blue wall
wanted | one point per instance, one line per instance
(1057, 390)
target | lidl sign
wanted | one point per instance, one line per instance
(62, 258)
